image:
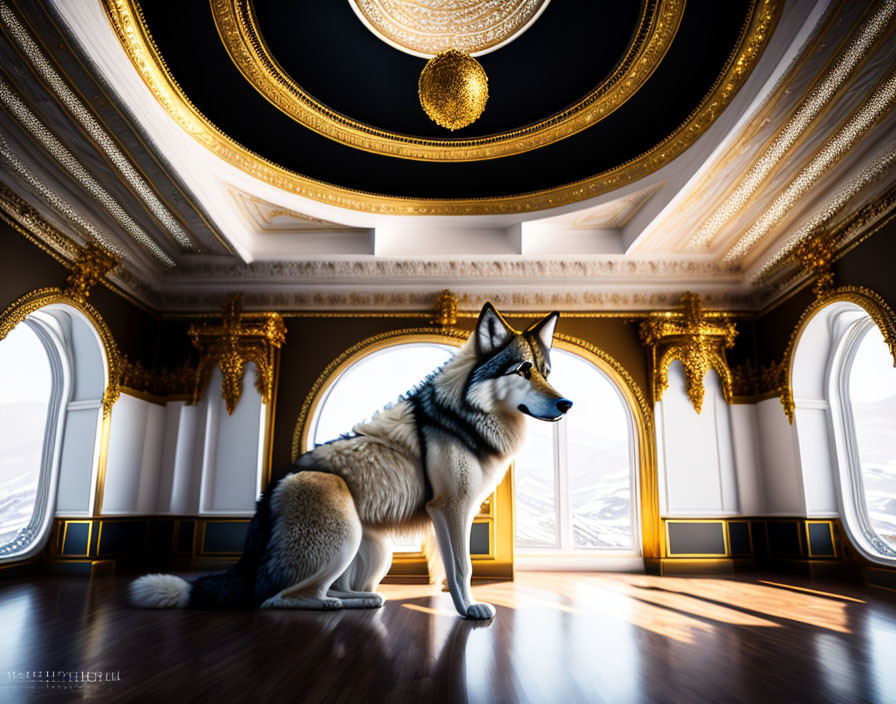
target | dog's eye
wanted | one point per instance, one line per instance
(525, 370)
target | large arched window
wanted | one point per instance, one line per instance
(575, 478)
(53, 378)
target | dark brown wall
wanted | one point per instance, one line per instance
(312, 343)
(871, 264)
(24, 266)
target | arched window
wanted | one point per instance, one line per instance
(368, 385)
(574, 487)
(574, 479)
(53, 378)
(863, 395)
(26, 382)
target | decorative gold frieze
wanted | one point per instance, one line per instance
(177, 382)
(750, 384)
(238, 339)
(445, 310)
(697, 338)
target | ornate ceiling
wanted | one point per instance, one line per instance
(627, 151)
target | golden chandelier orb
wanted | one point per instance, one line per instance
(453, 89)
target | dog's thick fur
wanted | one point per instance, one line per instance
(319, 537)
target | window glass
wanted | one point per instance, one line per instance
(586, 456)
(535, 498)
(872, 394)
(374, 381)
(25, 386)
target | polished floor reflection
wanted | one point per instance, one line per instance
(557, 638)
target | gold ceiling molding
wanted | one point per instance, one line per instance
(870, 301)
(239, 32)
(428, 27)
(238, 339)
(128, 23)
(92, 264)
(814, 248)
(816, 102)
(697, 338)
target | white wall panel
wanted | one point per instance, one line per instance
(77, 467)
(232, 449)
(778, 450)
(125, 456)
(816, 462)
(747, 459)
(697, 462)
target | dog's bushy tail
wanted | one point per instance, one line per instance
(233, 588)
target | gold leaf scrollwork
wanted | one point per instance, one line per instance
(91, 266)
(177, 382)
(445, 310)
(238, 339)
(697, 338)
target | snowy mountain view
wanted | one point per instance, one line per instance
(24, 393)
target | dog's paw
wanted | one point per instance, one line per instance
(330, 604)
(480, 612)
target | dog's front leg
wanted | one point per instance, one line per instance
(452, 522)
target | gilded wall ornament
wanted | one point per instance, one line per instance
(697, 338)
(179, 382)
(445, 310)
(239, 338)
(91, 266)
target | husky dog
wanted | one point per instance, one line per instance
(320, 536)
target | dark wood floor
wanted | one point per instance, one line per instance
(556, 638)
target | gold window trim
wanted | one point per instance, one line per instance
(127, 21)
(237, 26)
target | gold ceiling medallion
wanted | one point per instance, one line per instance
(238, 29)
(239, 338)
(128, 22)
(453, 89)
(428, 27)
(697, 338)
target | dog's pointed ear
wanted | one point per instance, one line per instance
(492, 331)
(544, 329)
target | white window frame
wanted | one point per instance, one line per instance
(31, 539)
(564, 539)
(849, 333)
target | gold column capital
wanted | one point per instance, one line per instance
(694, 336)
(239, 338)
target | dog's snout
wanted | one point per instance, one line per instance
(563, 405)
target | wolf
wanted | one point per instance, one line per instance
(319, 538)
